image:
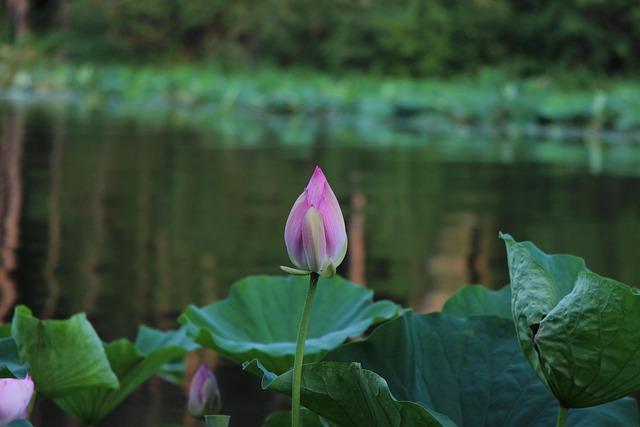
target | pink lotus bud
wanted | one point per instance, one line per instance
(315, 234)
(15, 395)
(204, 395)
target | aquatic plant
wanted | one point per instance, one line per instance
(204, 394)
(89, 383)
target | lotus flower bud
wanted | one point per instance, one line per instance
(315, 234)
(204, 394)
(15, 395)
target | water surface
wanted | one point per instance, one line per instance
(131, 221)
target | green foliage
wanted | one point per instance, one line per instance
(51, 347)
(476, 300)
(85, 377)
(259, 319)
(580, 331)
(416, 37)
(10, 365)
(347, 395)
(133, 365)
(437, 370)
(491, 100)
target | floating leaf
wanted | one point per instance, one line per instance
(259, 319)
(459, 372)
(63, 355)
(579, 331)
(476, 300)
(133, 364)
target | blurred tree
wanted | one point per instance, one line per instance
(411, 37)
(19, 10)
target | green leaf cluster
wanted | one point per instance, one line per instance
(579, 331)
(466, 366)
(84, 376)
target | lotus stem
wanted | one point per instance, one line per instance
(562, 416)
(296, 420)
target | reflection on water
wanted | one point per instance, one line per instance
(10, 204)
(131, 223)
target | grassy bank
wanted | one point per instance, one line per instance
(486, 100)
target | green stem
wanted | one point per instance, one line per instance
(297, 363)
(562, 416)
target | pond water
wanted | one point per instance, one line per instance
(131, 221)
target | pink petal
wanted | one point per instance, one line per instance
(15, 395)
(334, 227)
(293, 231)
(316, 187)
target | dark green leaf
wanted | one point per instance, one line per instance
(259, 319)
(10, 365)
(476, 300)
(63, 355)
(579, 331)
(133, 364)
(347, 395)
(467, 372)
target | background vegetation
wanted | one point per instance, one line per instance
(408, 37)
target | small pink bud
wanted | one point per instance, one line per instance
(315, 234)
(204, 394)
(15, 395)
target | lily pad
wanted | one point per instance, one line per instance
(63, 355)
(133, 364)
(259, 319)
(438, 370)
(579, 331)
(476, 300)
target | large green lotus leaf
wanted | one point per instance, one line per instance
(349, 396)
(579, 331)
(133, 364)
(10, 365)
(464, 372)
(63, 355)
(259, 319)
(476, 300)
